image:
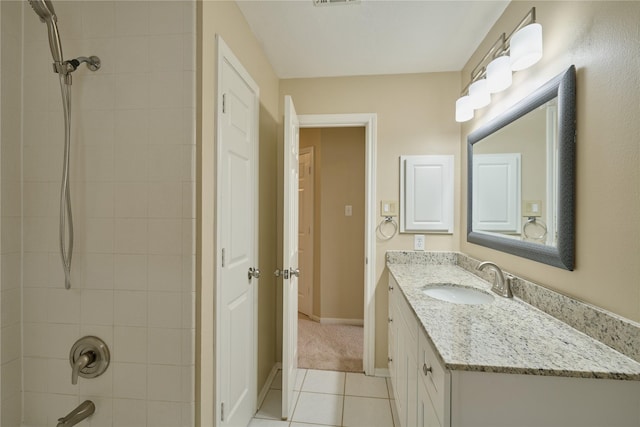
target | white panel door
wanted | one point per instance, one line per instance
(237, 240)
(496, 192)
(305, 231)
(290, 258)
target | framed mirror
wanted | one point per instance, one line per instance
(521, 176)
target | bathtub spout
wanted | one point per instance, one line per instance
(83, 410)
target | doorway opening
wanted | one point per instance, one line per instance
(332, 217)
(369, 122)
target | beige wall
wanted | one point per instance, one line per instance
(603, 40)
(415, 116)
(340, 243)
(224, 18)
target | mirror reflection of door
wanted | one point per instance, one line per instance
(305, 231)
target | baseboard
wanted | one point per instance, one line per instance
(336, 321)
(382, 372)
(267, 384)
(314, 318)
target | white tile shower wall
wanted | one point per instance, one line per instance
(10, 215)
(133, 177)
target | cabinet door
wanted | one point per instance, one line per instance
(426, 193)
(426, 412)
(412, 384)
(392, 336)
(401, 360)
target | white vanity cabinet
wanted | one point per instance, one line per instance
(420, 382)
(429, 395)
(435, 381)
(403, 345)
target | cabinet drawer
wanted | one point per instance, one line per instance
(436, 379)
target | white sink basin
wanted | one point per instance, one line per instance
(457, 294)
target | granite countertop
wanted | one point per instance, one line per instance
(506, 335)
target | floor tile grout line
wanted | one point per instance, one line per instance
(343, 395)
(344, 398)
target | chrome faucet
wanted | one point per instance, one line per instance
(83, 410)
(501, 285)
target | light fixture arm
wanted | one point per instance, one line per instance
(480, 70)
(493, 73)
(499, 47)
(529, 18)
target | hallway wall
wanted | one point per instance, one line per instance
(339, 239)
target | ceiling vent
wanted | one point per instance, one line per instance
(333, 2)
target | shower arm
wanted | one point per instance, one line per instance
(67, 67)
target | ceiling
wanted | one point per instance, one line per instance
(369, 37)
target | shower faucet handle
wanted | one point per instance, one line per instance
(89, 358)
(81, 363)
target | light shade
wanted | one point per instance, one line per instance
(499, 75)
(479, 94)
(526, 47)
(464, 110)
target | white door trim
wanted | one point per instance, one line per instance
(225, 54)
(369, 122)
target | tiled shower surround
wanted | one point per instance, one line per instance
(132, 186)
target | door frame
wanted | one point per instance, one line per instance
(226, 54)
(311, 151)
(369, 122)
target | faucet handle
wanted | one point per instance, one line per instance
(80, 363)
(89, 357)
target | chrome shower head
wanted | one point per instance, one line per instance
(44, 9)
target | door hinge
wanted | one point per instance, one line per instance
(224, 103)
(222, 411)
(223, 257)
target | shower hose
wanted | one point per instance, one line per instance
(66, 218)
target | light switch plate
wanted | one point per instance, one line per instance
(389, 208)
(348, 210)
(532, 208)
(418, 242)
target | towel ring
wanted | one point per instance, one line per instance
(385, 221)
(534, 229)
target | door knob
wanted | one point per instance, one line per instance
(253, 273)
(295, 272)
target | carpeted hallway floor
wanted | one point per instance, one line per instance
(329, 347)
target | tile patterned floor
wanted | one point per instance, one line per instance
(329, 398)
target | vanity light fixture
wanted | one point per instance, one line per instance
(479, 94)
(493, 74)
(464, 110)
(499, 75)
